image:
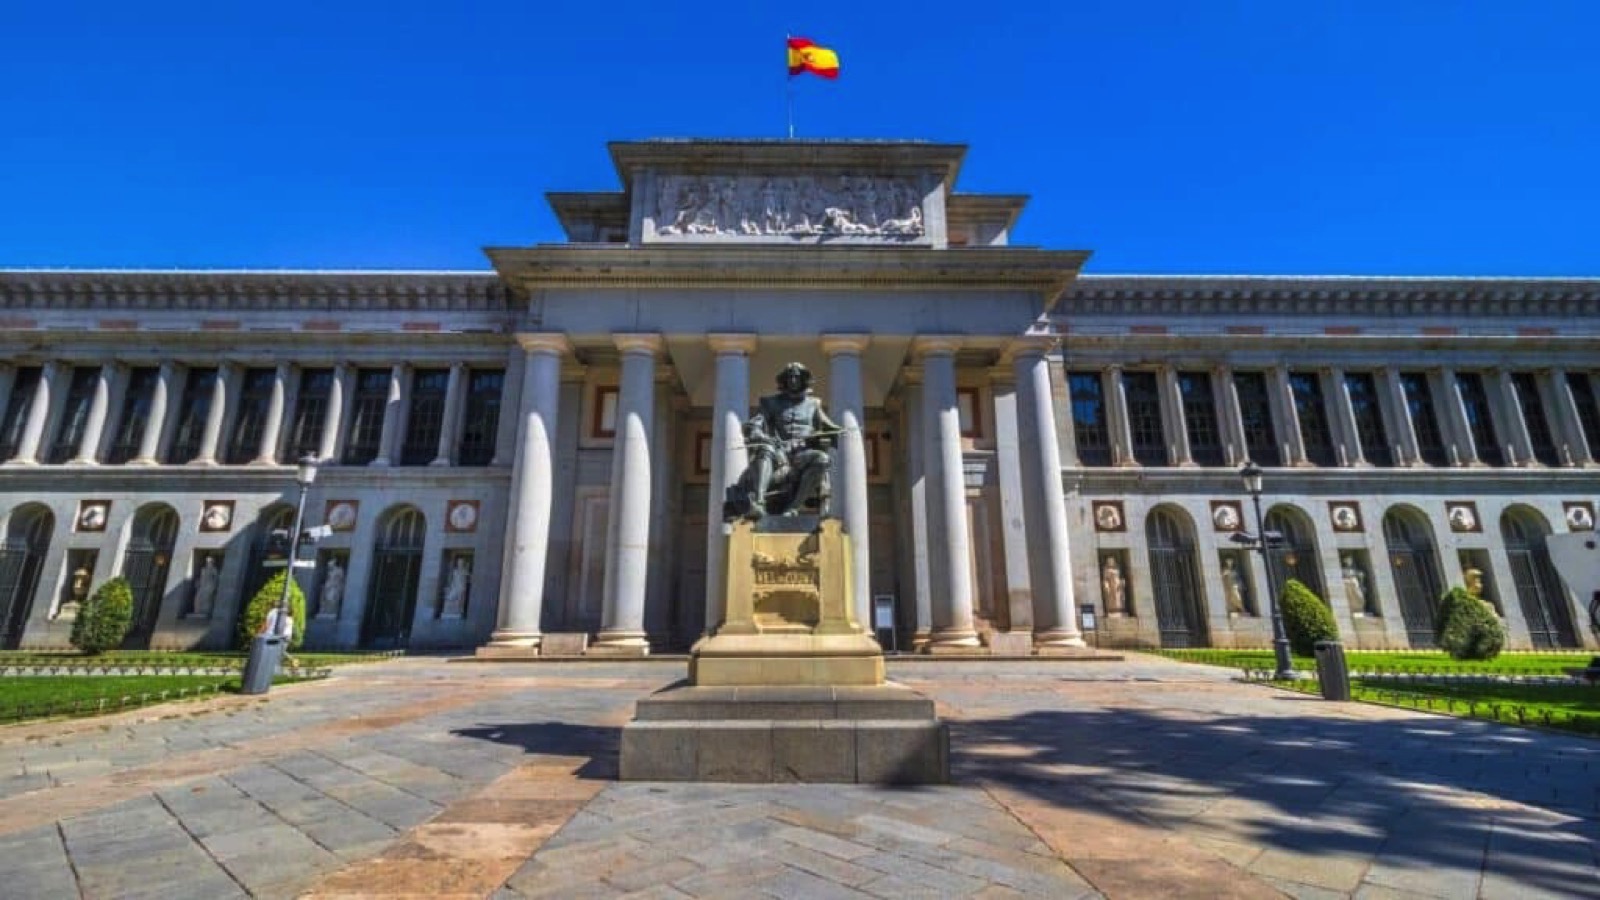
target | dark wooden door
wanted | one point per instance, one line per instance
(145, 565)
(1416, 577)
(396, 569)
(1176, 583)
(1539, 589)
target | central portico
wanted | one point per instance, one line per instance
(648, 336)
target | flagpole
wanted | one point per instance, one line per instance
(788, 86)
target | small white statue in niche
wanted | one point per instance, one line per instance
(457, 586)
(1232, 587)
(332, 594)
(205, 588)
(1355, 585)
(1113, 589)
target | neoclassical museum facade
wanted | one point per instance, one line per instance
(540, 448)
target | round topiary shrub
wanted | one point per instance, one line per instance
(1468, 627)
(103, 622)
(1306, 619)
(267, 598)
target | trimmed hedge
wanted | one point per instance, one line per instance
(1468, 627)
(1306, 619)
(103, 622)
(267, 598)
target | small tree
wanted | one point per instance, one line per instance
(267, 598)
(1306, 619)
(103, 622)
(1467, 626)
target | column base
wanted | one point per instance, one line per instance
(85, 462)
(202, 463)
(955, 642)
(261, 462)
(439, 462)
(620, 643)
(1059, 638)
(511, 645)
(920, 640)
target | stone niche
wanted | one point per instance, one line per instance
(816, 207)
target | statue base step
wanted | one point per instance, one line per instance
(883, 734)
(787, 660)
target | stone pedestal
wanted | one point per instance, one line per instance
(791, 687)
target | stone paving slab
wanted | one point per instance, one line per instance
(1137, 778)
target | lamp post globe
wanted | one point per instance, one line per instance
(1254, 479)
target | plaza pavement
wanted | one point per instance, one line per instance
(1141, 778)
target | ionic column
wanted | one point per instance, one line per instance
(156, 426)
(389, 444)
(1405, 430)
(729, 457)
(1014, 534)
(1345, 410)
(532, 489)
(1288, 429)
(1177, 428)
(628, 541)
(1516, 420)
(329, 448)
(454, 395)
(99, 407)
(917, 443)
(1464, 449)
(1117, 417)
(44, 394)
(1578, 452)
(273, 427)
(1229, 421)
(505, 437)
(849, 411)
(1055, 608)
(222, 390)
(950, 562)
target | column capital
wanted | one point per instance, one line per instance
(1031, 345)
(544, 342)
(837, 344)
(647, 343)
(924, 345)
(732, 343)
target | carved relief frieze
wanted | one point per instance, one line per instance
(759, 206)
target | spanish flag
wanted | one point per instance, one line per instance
(805, 56)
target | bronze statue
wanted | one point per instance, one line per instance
(789, 437)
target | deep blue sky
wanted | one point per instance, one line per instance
(1381, 137)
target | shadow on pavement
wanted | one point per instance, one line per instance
(1315, 786)
(598, 743)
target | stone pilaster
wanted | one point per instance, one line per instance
(33, 429)
(8, 379)
(1520, 443)
(1055, 608)
(454, 396)
(1013, 516)
(1345, 415)
(223, 388)
(393, 408)
(1404, 430)
(1180, 453)
(917, 442)
(94, 426)
(1577, 451)
(1464, 450)
(729, 457)
(1116, 399)
(532, 489)
(331, 444)
(277, 404)
(628, 538)
(850, 495)
(1230, 424)
(1287, 425)
(158, 427)
(950, 551)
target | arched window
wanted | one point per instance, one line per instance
(1415, 566)
(1174, 576)
(145, 565)
(21, 558)
(396, 569)
(1539, 591)
(1297, 556)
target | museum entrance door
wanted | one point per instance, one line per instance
(145, 565)
(1175, 581)
(21, 559)
(396, 569)
(1539, 590)
(1296, 557)
(1416, 573)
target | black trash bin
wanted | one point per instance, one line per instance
(266, 655)
(1332, 673)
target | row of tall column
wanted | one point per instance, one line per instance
(940, 522)
(1506, 411)
(48, 403)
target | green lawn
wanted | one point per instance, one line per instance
(1397, 661)
(1568, 707)
(167, 659)
(27, 698)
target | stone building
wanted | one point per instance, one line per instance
(541, 448)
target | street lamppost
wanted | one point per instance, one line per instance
(1252, 475)
(261, 682)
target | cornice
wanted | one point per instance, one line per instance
(1155, 296)
(1046, 272)
(250, 291)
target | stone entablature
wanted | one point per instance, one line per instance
(254, 291)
